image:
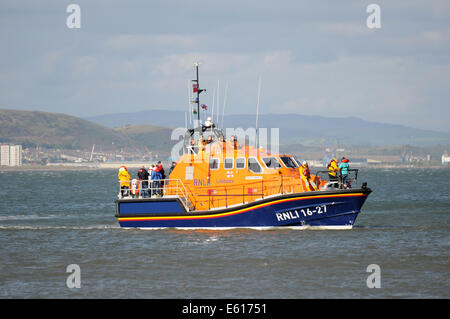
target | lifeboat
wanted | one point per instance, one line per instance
(219, 184)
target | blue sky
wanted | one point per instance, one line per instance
(314, 57)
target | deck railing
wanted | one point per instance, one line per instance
(218, 197)
(137, 189)
(338, 182)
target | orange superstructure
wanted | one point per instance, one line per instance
(222, 174)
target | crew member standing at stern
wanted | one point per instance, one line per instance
(124, 178)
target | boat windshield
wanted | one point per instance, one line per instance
(253, 165)
(297, 161)
(288, 162)
(271, 162)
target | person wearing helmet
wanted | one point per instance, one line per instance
(343, 169)
(209, 123)
(124, 178)
(333, 170)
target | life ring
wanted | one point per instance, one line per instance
(135, 187)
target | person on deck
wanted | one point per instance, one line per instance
(161, 169)
(192, 148)
(333, 170)
(232, 143)
(124, 178)
(343, 169)
(143, 176)
(201, 144)
(150, 182)
(305, 176)
(223, 145)
(156, 177)
(171, 169)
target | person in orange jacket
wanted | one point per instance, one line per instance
(305, 176)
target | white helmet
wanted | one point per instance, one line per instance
(304, 163)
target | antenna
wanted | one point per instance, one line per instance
(218, 105)
(224, 103)
(214, 103)
(257, 111)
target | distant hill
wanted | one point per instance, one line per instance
(147, 136)
(55, 130)
(297, 129)
(151, 130)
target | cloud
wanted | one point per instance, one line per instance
(314, 58)
(344, 29)
(138, 41)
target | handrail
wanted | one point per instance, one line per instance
(339, 176)
(161, 189)
(223, 196)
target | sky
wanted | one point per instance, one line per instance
(313, 57)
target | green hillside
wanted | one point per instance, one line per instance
(147, 136)
(55, 130)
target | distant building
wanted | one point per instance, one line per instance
(10, 155)
(445, 159)
(4, 155)
(15, 155)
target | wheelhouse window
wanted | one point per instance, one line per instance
(253, 165)
(288, 162)
(228, 163)
(240, 162)
(214, 163)
(271, 162)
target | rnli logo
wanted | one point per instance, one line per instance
(230, 174)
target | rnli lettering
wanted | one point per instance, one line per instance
(295, 214)
(287, 215)
(201, 182)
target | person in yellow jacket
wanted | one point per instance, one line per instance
(124, 178)
(305, 176)
(333, 170)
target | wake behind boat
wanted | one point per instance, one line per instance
(218, 183)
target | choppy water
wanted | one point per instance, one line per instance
(50, 219)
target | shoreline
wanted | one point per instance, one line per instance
(116, 166)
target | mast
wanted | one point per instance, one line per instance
(198, 95)
(196, 89)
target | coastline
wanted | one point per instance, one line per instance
(136, 165)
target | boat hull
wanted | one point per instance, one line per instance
(322, 209)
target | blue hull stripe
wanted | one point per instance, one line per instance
(320, 209)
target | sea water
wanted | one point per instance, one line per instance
(52, 219)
